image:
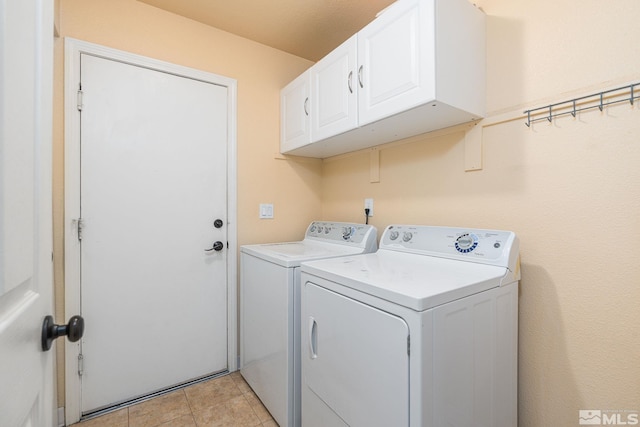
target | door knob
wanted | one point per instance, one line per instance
(50, 331)
(217, 246)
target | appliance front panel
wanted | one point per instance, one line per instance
(355, 361)
(267, 333)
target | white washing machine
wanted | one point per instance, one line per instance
(270, 309)
(423, 332)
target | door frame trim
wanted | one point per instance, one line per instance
(73, 50)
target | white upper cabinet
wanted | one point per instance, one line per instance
(334, 92)
(395, 57)
(418, 67)
(295, 121)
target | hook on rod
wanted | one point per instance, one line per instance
(601, 106)
(564, 109)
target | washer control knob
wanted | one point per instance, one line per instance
(313, 228)
(393, 235)
(347, 232)
(407, 236)
(320, 228)
(327, 230)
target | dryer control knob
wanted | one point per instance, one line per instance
(407, 236)
(466, 243)
(393, 235)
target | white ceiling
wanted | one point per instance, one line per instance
(306, 28)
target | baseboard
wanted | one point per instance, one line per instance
(61, 422)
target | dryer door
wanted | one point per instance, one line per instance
(355, 362)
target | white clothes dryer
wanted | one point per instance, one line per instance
(270, 309)
(422, 333)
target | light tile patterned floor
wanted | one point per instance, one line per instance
(220, 402)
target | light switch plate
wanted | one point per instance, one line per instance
(266, 210)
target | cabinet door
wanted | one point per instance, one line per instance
(334, 92)
(396, 57)
(295, 122)
(354, 362)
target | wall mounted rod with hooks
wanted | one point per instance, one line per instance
(573, 106)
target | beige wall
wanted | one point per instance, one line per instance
(293, 187)
(570, 190)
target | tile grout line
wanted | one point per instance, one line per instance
(244, 395)
(193, 415)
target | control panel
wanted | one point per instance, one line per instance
(490, 246)
(334, 232)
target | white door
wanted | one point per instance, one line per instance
(26, 284)
(355, 364)
(396, 54)
(153, 183)
(334, 91)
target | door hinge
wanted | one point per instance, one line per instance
(79, 224)
(408, 345)
(80, 364)
(80, 99)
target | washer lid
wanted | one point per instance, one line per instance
(291, 254)
(323, 239)
(414, 281)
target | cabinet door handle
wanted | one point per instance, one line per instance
(360, 75)
(349, 81)
(306, 104)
